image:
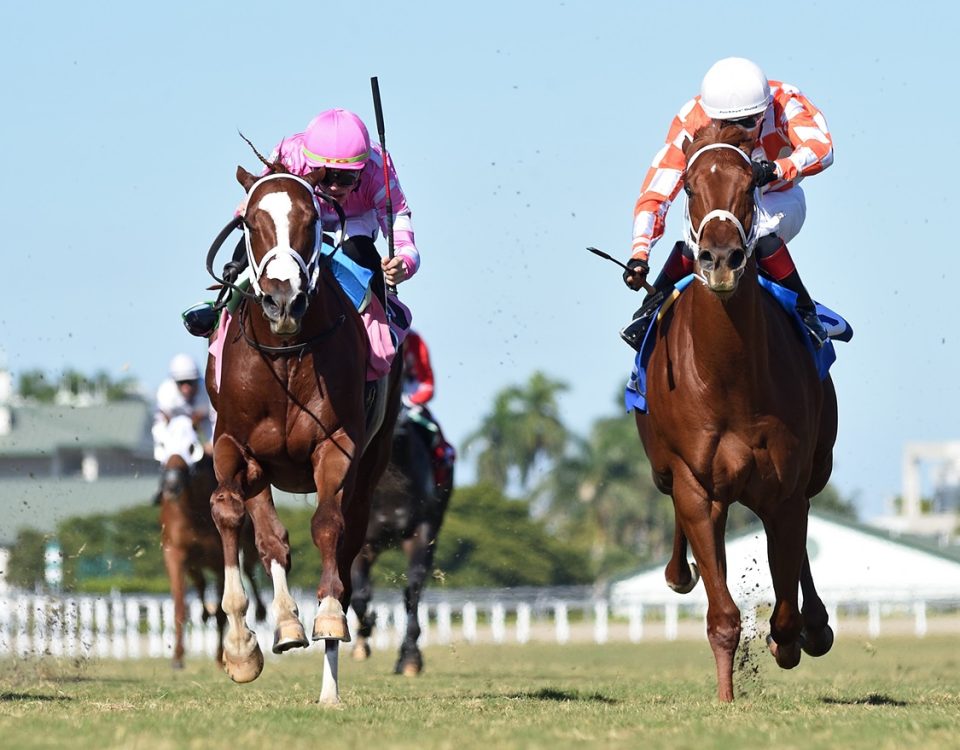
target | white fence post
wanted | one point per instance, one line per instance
(920, 619)
(523, 622)
(399, 623)
(423, 620)
(381, 633)
(87, 638)
(562, 622)
(119, 629)
(470, 622)
(670, 617)
(102, 627)
(636, 623)
(71, 626)
(600, 621)
(444, 623)
(498, 622)
(154, 629)
(873, 619)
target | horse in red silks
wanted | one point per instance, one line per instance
(292, 413)
(737, 412)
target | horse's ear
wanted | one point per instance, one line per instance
(245, 178)
(315, 176)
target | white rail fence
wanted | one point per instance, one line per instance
(131, 627)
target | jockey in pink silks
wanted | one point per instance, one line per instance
(338, 141)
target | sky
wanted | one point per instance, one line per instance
(521, 133)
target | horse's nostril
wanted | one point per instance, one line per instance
(299, 305)
(706, 260)
(736, 260)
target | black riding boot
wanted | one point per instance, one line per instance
(634, 332)
(806, 308)
(201, 320)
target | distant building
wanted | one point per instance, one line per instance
(75, 457)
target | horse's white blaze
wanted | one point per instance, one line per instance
(282, 266)
(284, 606)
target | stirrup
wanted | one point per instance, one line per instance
(814, 326)
(200, 320)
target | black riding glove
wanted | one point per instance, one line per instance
(764, 172)
(637, 267)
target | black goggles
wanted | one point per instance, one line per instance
(747, 123)
(341, 177)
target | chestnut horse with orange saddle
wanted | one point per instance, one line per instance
(292, 413)
(737, 412)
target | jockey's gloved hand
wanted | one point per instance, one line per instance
(637, 273)
(764, 172)
(232, 270)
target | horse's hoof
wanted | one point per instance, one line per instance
(361, 650)
(177, 663)
(819, 645)
(289, 634)
(245, 669)
(330, 624)
(787, 657)
(686, 588)
(410, 669)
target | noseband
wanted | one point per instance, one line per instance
(692, 236)
(310, 268)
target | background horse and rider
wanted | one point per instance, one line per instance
(407, 511)
(189, 539)
(292, 413)
(737, 411)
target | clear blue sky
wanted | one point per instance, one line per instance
(521, 133)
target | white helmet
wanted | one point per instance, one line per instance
(182, 367)
(733, 88)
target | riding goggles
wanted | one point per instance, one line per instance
(341, 177)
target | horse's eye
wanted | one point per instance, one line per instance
(687, 190)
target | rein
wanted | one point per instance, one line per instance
(291, 349)
(692, 236)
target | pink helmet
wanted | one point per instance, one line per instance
(337, 139)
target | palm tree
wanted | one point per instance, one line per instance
(523, 429)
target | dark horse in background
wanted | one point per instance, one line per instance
(189, 538)
(292, 413)
(737, 412)
(408, 512)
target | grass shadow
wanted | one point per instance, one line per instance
(12, 697)
(874, 699)
(560, 696)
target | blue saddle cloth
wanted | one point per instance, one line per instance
(353, 278)
(636, 390)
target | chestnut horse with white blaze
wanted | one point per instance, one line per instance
(737, 412)
(291, 413)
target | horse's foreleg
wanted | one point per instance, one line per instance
(681, 575)
(243, 660)
(360, 599)
(174, 559)
(273, 544)
(703, 522)
(419, 549)
(248, 549)
(786, 550)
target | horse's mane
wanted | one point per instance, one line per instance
(273, 166)
(729, 134)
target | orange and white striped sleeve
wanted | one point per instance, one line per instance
(663, 181)
(806, 129)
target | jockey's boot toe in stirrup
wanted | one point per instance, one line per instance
(818, 334)
(200, 320)
(633, 333)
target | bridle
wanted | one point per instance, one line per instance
(692, 236)
(311, 267)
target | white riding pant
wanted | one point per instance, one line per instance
(783, 212)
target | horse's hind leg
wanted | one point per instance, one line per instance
(681, 575)
(419, 549)
(786, 549)
(274, 547)
(360, 599)
(816, 638)
(243, 660)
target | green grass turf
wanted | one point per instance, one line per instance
(889, 693)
